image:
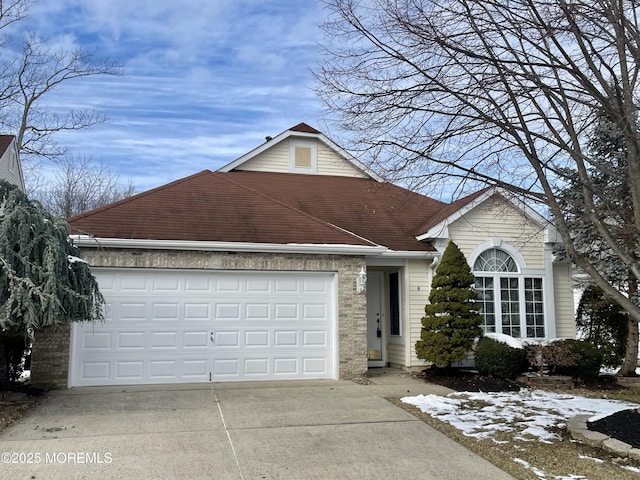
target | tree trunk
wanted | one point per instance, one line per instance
(4, 367)
(631, 355)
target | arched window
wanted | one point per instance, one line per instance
(495, 260)
(509, 301)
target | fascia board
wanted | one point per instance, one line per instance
(85, 241)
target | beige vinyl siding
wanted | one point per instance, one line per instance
(418, 284)
(564, 302)
(276, 159)
(497, 218)
(395, 354)
(10, 167)
(330, 163)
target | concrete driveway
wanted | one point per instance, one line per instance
(285, 430)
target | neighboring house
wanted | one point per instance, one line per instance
(10, 168)
(294, 261)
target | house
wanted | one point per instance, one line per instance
(10, 168)
(295, 261)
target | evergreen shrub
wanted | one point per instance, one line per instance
(499, 359)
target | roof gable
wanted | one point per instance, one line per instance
(437, 227)
(275, 155)
(10, 167)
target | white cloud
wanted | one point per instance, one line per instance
(205, 81)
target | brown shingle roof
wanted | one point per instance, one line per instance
(449, 210)
(303, 127)
(5, 141)
(208, 207)
(268, 208)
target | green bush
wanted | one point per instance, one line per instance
(499, 359)
(576, 358)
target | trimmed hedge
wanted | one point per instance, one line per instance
(499, 359)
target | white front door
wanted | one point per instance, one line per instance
(176, 326)
(375, 320)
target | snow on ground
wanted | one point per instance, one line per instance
(529, 414)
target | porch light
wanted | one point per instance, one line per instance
(361, 281)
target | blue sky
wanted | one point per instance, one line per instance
(205, 80)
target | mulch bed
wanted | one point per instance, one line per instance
(467, 381)
(623, 426)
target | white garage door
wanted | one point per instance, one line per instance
(199, 326)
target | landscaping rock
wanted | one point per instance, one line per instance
(616, 447)
(594, 439)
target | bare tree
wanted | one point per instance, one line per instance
(29, 74)
(501, 92)
(81, 185)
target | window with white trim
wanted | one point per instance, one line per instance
(395, 325)
(509, 301)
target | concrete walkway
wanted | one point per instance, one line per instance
(270, 430)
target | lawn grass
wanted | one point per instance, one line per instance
(531, 460)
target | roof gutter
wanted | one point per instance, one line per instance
(86, 241)
(409, 254)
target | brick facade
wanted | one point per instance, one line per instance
(51, 348)
(50, 357)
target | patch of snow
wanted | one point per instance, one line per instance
(73, 259)
(507, 339)
(630, 468)
(527, 465)
(597, 460)
(530, 415)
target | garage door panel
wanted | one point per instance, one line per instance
(130, 370)
(315, 338)
(164, 340)
(257, 311)
(313, 285)
(315, 365)
(285, 338)
(136, 283)
(256, 338)
(95, 371)
(166, 284)
(131, 340)
(195, 339)
(285, 311)
(286, 285)
(96, 341)
(258, 285)
(165, 311)
(189, 326)
(196, 311)
(129, 311)
(227, 311)
(226, 339)
(227, 285)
